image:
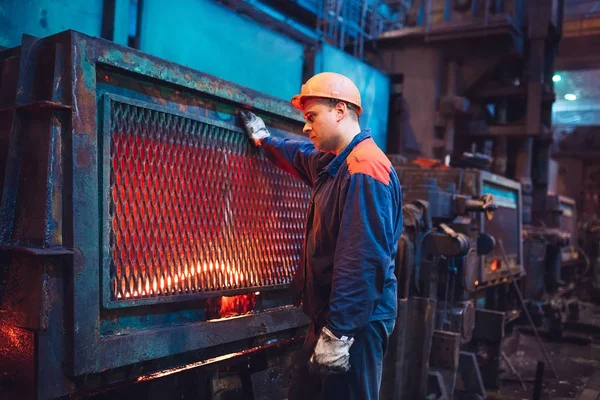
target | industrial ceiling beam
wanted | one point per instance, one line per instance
(270, 17)
(581, 32)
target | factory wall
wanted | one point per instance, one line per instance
(46, 17)
(208, 37)
(212, 39)
(422, 69)
(197, 33)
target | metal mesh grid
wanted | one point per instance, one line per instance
(194, 208)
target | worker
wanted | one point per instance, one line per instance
(345, 279)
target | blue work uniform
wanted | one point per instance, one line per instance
(346, 274)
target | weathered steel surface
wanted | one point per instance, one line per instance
(124, 170)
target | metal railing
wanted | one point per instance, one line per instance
(347, 24)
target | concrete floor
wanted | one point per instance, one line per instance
(576, 359)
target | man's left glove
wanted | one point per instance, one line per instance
(255, 126)
(331, 355)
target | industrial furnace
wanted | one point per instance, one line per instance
(141, 231)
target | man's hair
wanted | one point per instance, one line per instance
(331, 103)
(353, 109)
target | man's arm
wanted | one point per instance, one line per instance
(298, 158)
(362, 255)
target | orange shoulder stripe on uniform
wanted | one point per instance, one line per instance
(368, 159)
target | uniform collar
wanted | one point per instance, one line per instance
(337, 162)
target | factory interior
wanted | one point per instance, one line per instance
(147, 247)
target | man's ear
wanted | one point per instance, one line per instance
(341, 109)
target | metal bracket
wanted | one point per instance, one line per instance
(436, 388)
(43, 252)
(445, 350)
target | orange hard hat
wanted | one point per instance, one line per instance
(331, 86)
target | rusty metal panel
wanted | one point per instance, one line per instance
(17, 362)
(149, 98)
(9, 72)
(142, 176)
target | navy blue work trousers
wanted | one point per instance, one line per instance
(363, 380)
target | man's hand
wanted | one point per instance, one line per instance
(331, 355)
(255, 126)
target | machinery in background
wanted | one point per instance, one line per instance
(445, 97)
(559, 213)
(589, 241)
(487, 271)
(454, 284)
(554, 265)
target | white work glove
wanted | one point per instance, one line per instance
(331, 355)
(255, 126)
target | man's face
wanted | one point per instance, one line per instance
(321, 124)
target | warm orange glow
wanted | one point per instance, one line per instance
(495, 265)
(12, 334)
(171, 228)
(172, 371)
(223, 276)
(15, 342)
(190, 366)
(476, 283)
(227, 306)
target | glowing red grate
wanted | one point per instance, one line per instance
(195, 208)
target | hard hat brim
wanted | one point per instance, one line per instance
(298, 101)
